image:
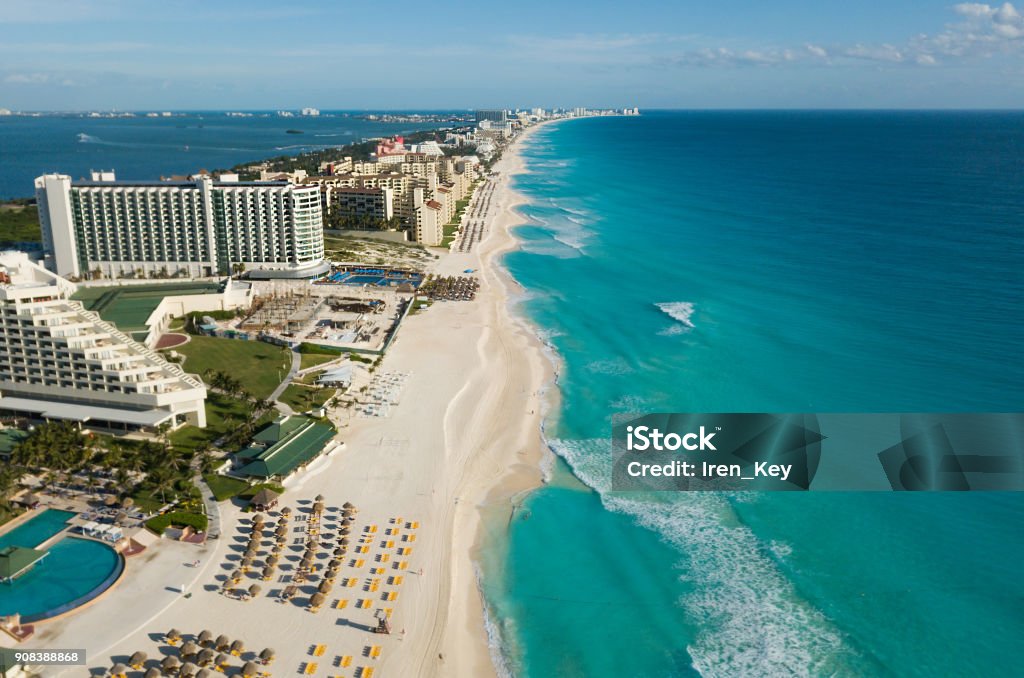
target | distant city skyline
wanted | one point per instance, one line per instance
(116, 54)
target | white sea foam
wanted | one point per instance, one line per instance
(751, 619)
(614, 367)
(681, 312)
(84, 138)
(501, 657)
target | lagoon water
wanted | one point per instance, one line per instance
(775, 262)
(142, 147)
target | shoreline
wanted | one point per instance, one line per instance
(525, 473)
(476, 368)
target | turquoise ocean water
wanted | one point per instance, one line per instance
(776, 262)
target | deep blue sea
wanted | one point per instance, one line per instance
(767, 262)
(148, 148)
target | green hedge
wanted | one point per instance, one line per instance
(158, 524)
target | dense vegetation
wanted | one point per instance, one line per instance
(19, 222)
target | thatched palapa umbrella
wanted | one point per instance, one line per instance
(286, 511)
(348, 505)
(343, 541)
(249, 669)
(325, 587)
(254, 590)
(236, 576)
(173, 634)
(246, 562)
(205, 657)
(257, 519)
(118, 670)
(318, 507)
(237, 647)
(152, 672)
(137, 660)
(188, 669)
(267, 655)
(170, 663)
(189, 649)
(204, 638)
(222, 660)
(272, 561)
(317, 600)
(281, 531)
(339, 552)
(268, 572)
(204, 673)
(223, 642)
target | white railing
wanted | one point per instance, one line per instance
(176, 370)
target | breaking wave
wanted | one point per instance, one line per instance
(681, 312)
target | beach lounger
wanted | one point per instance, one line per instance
(311, 668)
(375, 652)
(319, 650)
(341, 604)
(391, 596)
(359, 563)
(385, 557)
(389, 544)
(345, 662)
(365, 603)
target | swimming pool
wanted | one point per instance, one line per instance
(37, 530)
(73, 572)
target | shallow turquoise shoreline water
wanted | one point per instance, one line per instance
(767, 262)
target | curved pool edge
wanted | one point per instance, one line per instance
(77, 605)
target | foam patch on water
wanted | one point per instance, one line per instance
(614, 367)
(752, 621)
(681, 312)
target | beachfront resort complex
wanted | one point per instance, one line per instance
(214, 370)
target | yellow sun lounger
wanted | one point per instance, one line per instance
(341, 604)
(375, 652)
(384, 557)
(376, 570)
(310, 668)
(405, 550)
(345, 662)
(362, 549)
(365, 603)
(391, 596)
(372, 529)
(402, 565)
(319, 650)
(359, 563)
(396, 580)
(397, 521)
(389, 544)
(388, 611)
(374, 587)
(366, 672)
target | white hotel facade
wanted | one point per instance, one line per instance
(195, 228)
(59, 361)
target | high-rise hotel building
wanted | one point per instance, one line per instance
(59, 361)
(193, 228)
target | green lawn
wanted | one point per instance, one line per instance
(313, 359)
(19, 223)
(258, 365)
(302, 398)
(224, 487)
(223, 414)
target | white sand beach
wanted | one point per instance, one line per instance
(465, 434)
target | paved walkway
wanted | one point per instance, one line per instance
(283, 408)
(212, 509)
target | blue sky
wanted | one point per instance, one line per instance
(177, 54)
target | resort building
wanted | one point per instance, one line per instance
(283, 447)
(429, 226)
(59, 361)
(491, 115)
(374, 203)
(195, 228)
